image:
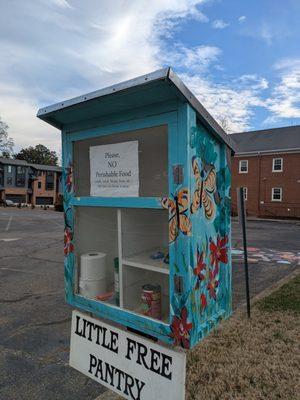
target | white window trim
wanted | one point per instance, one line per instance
(240, 164)
(245, 191)
(272, 195)
(273, 164)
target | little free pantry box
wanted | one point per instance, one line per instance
(147, 207)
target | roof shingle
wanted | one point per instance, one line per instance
(268, 140)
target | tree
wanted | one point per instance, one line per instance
(39, 154)
(6, 142)
(224, 124)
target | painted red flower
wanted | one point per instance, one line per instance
(213, 284)
(180, 329)
(218, 251)
(68, 245)
(199, 271)
(69, 177)
(203, 301)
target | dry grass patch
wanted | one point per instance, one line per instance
(256, 359)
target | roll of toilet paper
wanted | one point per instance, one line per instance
(92, 288)
(93, 266)
(92, 279)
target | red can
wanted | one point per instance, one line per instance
(151, 301)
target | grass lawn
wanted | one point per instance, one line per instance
(287, 298)
(255, 359)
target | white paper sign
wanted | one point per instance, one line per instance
(114, 170)
(133, 367)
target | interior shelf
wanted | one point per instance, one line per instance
(143, 260)
(123, 247)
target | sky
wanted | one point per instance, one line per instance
(240, 58)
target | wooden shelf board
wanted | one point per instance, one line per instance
(143, 261)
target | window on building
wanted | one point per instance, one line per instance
(40, 173)
(277, 165)
(39, 185)
(20, 176)
(277, 194)
(245, 190)
(49, 180)
(9, 180)
(243, 166)
(9, 169)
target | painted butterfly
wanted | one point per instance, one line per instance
(205, 189)
(178, 220)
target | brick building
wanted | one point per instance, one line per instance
(267, 165)
(27, 183)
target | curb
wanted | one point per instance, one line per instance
(282, 221)
(109, 395)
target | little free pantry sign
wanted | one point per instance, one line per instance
(135, 368)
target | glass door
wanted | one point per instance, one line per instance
(122, 252)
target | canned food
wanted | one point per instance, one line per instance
(151, 301)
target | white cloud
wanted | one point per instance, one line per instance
(266, 33)
(242, 19)
(65, 48)
(219, 24)
(285, 97)
(253, 81)
(60, 3)
(191, 58)
(58, 49)
(18, 110)
(232, 105)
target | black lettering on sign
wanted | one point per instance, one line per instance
(114, 342)
(116, 378)
(93, 363)
(155, 361)
(131, 344)
(166, 364)
(77, 332)
(151, 359)
(97, 334)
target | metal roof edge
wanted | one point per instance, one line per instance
(164, 73)
(140, 80)
(200, 109)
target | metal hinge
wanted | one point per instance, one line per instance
(178, 284)
(178, 174)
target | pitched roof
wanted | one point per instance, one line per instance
(12, 161)
(286, 138)
(46, 167)
(158, 86)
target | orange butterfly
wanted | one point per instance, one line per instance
(205, 189)
(178, 220)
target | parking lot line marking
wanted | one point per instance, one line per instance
(8, 224)
(9, 240)
(19, 270)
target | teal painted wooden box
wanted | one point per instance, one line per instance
(176, 206)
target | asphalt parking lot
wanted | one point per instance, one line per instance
(35, 321)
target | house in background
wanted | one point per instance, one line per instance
(267, 165)
(47, 185)
(16, 178)
(27, 183)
